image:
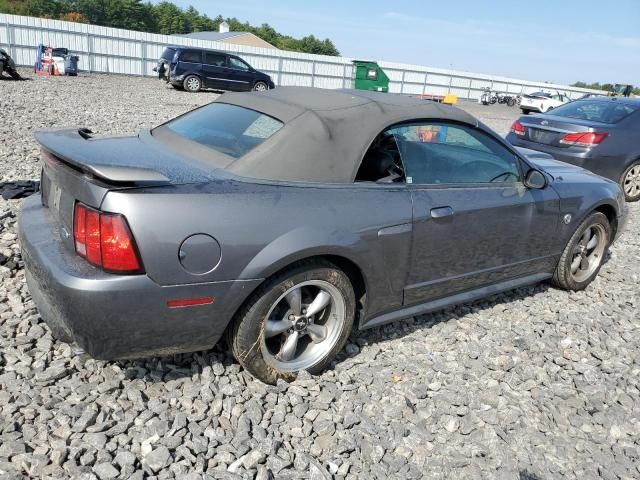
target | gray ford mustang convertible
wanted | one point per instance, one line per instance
(285, 219)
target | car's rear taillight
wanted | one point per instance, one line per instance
(583, 139)
(517, 128)
(105, 240)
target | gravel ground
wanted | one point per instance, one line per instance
(533, 384)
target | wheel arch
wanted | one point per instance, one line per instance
(193, 74)
(257, 81)
(631, 160)
(343, 262)
(607, 208)
(611, 213)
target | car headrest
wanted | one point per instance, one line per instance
(375, 165)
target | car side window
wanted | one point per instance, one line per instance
(237, 63)
(215, 59)
(439, 153)
(192, 56)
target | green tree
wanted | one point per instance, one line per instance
(165, 17)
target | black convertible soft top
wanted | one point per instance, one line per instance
(326, 132)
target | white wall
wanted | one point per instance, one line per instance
(112, 50)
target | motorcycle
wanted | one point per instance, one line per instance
(8, 65)
(488, 97)
(506, 99)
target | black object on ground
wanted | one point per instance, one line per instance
(18, 189)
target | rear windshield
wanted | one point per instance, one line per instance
(168, 54)
(540, 94)
(229, 129)
(597, 111)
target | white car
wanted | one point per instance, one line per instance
(541, 102)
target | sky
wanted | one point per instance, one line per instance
(561, 41)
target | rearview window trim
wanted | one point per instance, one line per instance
(201, 150)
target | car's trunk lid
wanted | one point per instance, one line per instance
(77, 167)
(550, 129)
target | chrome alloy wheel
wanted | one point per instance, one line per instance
(303, 326)
(631, 183)
(261, 87)
(588, 253)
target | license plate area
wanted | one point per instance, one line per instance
(54, 197)
(542, 136)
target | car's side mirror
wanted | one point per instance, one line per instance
(535, 179)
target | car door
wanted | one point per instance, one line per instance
(189, 61)
(474, 221)
(214, 67)
(240, 74)
(556, 101)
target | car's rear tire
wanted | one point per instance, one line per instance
(297, 320)
(582, 258)
(192, 83)
(260, 87)
(630, 182)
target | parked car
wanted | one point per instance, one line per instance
(599, 134)
(541, 102)
(285, 219)
(194, 69)
(8, 65)
(591, 95)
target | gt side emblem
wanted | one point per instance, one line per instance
(567, 219)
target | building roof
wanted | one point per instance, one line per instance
(213, 36)
(237, 38)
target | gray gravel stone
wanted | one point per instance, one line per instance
(531, 384)
(105, 471)
(158, 459)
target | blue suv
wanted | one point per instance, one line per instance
(195, 68)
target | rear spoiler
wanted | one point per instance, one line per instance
(71, 146)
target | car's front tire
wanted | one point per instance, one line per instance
(260, 87)
(192, 83)
(298, 320)
(630, 182)
(582, 258)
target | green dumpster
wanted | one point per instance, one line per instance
(369, 76)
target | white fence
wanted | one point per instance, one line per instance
(112, 50)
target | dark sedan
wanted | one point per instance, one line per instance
(599, 134)
(285, 219)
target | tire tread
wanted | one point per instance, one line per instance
(561, 277)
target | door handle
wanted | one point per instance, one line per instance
(441, 212)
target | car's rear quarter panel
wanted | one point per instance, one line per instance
(263, 228)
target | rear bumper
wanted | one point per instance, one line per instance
(117, 316)
(604, 166)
